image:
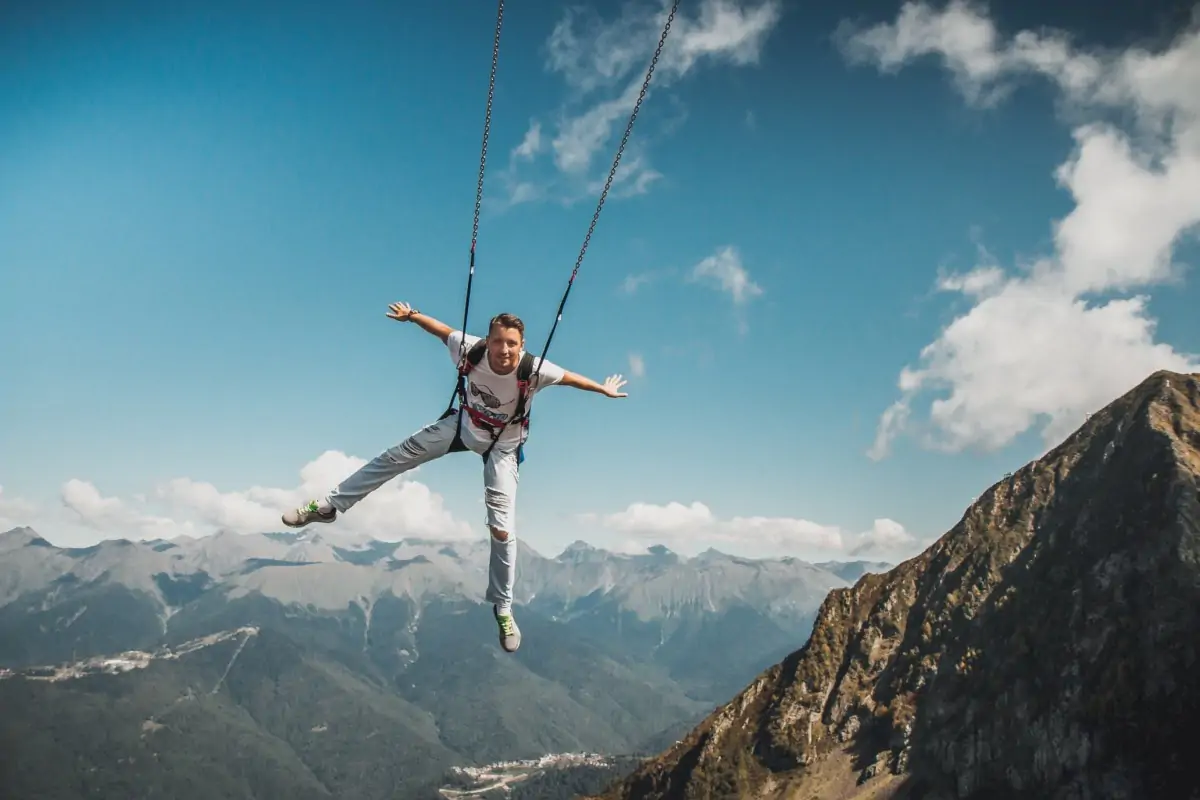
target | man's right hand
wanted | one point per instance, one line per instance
(401, 312)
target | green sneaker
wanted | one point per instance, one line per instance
(299, 517)
(510, 634)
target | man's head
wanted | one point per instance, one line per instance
(505, 339)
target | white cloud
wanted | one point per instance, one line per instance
(634, 282)
(609, 57)
(637, 365)
(524, 192)
(633, 178)
(531, 145)
(519, 191)
(724, 269)
(593, 53)
(656, 520)
(112, 516)
(887, 539)
(580, 137)
(602, 53)
(14, 511)
(1040, 345)
(402, 507)
(1027, 355)
(694, 527)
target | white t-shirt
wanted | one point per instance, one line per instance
(495, 396)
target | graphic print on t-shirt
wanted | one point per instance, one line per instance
(489, 397)
(490, 403)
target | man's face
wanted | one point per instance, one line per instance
(504, 349)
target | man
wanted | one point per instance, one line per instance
(491, 402)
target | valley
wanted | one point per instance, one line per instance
(357, 668)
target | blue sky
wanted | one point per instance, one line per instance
(206, 208)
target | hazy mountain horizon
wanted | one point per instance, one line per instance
(357, 638)
(349, 539)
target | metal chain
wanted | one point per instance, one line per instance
(608, 183)
(487, 124)
(603, 194)
(624, 139)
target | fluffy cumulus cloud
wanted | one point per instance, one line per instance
(1045, 343)
(182, 506)
(112, 516)
(886, 539)
(603, 62)
(694, 527)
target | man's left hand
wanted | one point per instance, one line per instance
(612, 386)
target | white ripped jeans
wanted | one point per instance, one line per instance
(500, 477)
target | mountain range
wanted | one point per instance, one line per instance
(1045, 646)
(314, 664)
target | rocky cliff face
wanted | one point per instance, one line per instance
(1046, 646)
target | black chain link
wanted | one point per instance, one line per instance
(608, 183)
(487, 127)
(599, 205)
(625, 139)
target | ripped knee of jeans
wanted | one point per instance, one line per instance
(411, 448)
(499, 535)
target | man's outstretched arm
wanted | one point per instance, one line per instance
(610, 388)
(403, 312)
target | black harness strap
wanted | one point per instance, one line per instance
(520, 415)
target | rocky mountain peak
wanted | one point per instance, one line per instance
(22, 537)
(1045, 646)
(662, 555)
(713, 554)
